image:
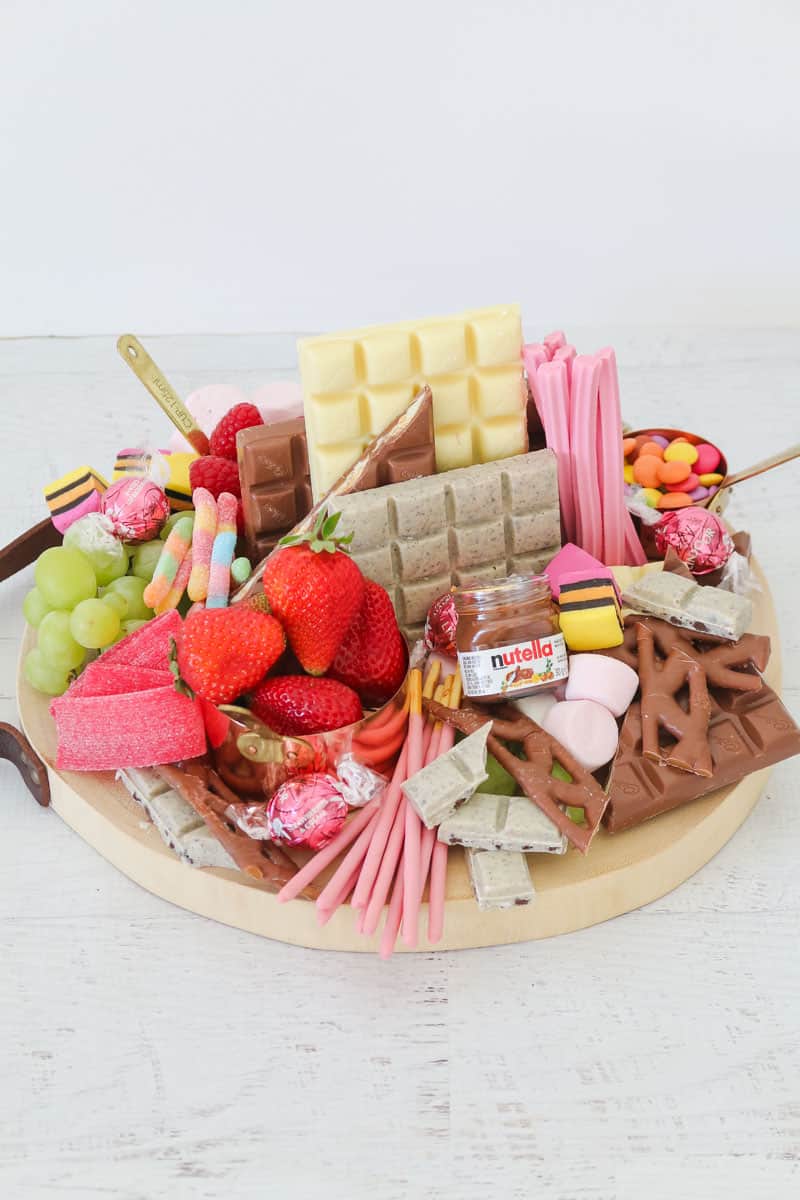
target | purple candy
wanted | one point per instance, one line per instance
(699, 493)
(660, 440)
(713, 489)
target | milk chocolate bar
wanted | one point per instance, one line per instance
(682, 602)
(502, 823)
(436, 790)
(500, 878)
(465, 527)
(273, 468)
(355, 383)
(747, 732)
(276, 488)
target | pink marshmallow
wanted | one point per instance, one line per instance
(604, 680)
(586, 729)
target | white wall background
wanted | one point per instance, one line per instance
(188, 165)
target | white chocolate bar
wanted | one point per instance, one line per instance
(452, 777)
(683, 602)
(500, 878)
(511, 823)
(466, 527)
(355, 383)
(176, 821)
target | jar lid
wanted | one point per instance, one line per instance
(515, 589)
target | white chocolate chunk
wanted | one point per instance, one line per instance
(437, 789)
(500, 878)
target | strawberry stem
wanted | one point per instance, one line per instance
(321, 536)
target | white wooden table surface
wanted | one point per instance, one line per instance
(145, 1052)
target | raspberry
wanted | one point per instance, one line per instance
(217, 474)
(223, 439)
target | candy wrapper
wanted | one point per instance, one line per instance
(357, 783)
(697, 536)
(137, 508)
(637, 506)
(307, 811)
(440, 625)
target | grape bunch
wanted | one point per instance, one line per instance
(88, 595)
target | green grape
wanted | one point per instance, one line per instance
(92, 535)
(145, 559)
(132, 588)
(35, 607)
(131, 626)
(94, 624)
(558, 772)
(56, 642)
(42, 675)
(498, 782)
(115, 600)
(64, 577)
(176, 516)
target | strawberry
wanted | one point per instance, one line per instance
(373, 656)
(222, 652)
(314, 589)
(296, 704)
(223, 439)
(218, 475)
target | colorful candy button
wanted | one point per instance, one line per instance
(686, 485)
(680, 452)
(673, 500)
(711, 478)
(708, 458)
(627, 473)
(652, 448)
(651, 496)
(628, 446)
(674, 472)
(645, 470)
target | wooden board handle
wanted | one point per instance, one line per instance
(134, 354)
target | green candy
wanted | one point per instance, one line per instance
(241, 570)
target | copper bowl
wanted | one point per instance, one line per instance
(254, 761)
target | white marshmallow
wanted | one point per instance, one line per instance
(603, 679)
(586, 729)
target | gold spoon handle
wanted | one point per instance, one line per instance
(162, 391)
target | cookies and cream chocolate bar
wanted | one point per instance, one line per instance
(176, 821)
(464, 527)
(500, 878)
(355, 383)
(502, 823)
(435, 791)
(683, 602)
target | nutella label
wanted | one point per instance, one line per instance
(520, 667)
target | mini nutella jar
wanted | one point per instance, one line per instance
(508, 638)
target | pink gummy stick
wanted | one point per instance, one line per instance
(325, 856)
(411, 850)
(554, 341)
(566, 354)
(332, 895)
(553, 392)
(585, 384)
(380, 833)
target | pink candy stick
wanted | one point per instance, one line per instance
(566, 354)
(411, 851)
(552, 391)
(334, 892)
(380, 833)
(325, 856)
(394, 916)
(554, 341)
(625, 547)
(388, 868)
(585, 384)
(338, 898)
(436, 896)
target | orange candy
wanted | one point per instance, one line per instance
(628, 446)
(674, 500)
(674, 472)
(645, 470)
(640, 441)
(652, 448)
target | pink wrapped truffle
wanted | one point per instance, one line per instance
(307, 811)
(137, 508)
(697, 536)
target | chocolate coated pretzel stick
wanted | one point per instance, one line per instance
(17, 749)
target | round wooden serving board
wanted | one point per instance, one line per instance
(619, 873)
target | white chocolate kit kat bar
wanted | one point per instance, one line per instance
(465, 527)
(356, 383)
(511, 823)
(176, 821)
